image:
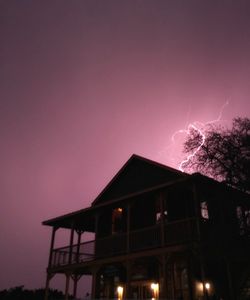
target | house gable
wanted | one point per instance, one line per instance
(136, 175)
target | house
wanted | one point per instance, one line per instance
(158, 234)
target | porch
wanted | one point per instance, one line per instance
(159, 235)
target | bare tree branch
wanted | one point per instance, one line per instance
(225, 154)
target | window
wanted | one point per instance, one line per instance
(204, 210)
(243, 217)
(240, 217)
(117, 220)
(158, 216)
(247, 216)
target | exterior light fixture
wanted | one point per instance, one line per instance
(203, 287)
(120, 292)
(207, 286)
(200, 286)
(155, 289)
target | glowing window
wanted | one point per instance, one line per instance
(117, 220)
(204, 210)
(158, 216)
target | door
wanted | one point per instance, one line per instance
(141, 290)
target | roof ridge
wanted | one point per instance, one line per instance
(136, 156)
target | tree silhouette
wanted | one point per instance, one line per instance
(224, 155)
(19, 293)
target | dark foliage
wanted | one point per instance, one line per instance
(19, 293)
(225, 154)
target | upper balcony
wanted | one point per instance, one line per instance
(175, 214)
(178, 232)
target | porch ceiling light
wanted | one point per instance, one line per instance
(155, 288)
(207, 285)
(120, 292)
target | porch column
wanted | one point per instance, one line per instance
(49, 276)
(67, 286)
(163, 287)
(97, 215)
(203, 277)
(94, 283)
(172, 266)
(229, 279)
(75, 278)
(79, 233)
(96, 223)
(128, 228)
(162, 219)
(197, 210)
(71, 243)
(47, 287)
(128, 280)
(75, 281)
(190, 277)
(52, 242)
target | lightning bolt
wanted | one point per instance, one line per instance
(200, 128)
(190, 156)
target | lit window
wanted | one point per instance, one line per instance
(117, 223)
(158, 216)
(204, 210)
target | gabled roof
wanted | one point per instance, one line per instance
(137, 174)
(137, 177)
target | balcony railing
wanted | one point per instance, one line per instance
(83, 252)
(145, 238)
(137, 240)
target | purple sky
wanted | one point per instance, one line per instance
(85, 84)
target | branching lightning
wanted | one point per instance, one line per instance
(200, 128)
(190, 156)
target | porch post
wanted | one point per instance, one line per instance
(128, 227)
(75, 281)
(96, 224)
(75, 278)
(190, 277)
(94, 282)
(52, 242)
(162, 219)
(67, 286)
(49, 276)
(229, 279)
(128, 279)
(47, 287)
(172, 266)
(202, 269)
(79, 233)
(71, 243)
(96, 233)
(164, 280)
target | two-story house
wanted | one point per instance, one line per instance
(158, 234)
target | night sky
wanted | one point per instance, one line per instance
(85, 84)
